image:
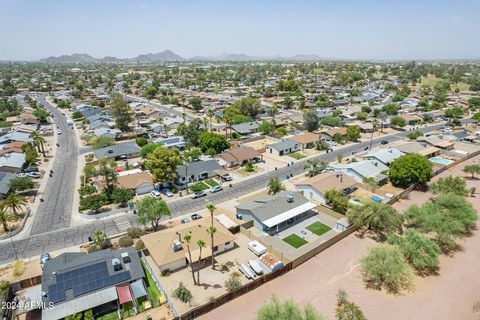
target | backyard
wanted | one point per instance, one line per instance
(318, 228)
(152, 288)
(295, 241)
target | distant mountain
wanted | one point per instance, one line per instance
(244, 57)
(73, 58)
(166, 55)
(109, 59)
(305, 57)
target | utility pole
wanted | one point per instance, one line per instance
(13, 245)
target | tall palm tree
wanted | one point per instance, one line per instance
(188, 238)
(211, 230)
(100, 239)
(5, 217)
(210, 115)
(39, 141)
(15, 202)
(201, 245)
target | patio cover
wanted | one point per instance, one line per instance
(289, 214)
(138, 289)
(85, 302)
(124, 294)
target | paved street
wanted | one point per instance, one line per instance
(55, 212)
(60, 238)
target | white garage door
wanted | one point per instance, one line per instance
(144, 189)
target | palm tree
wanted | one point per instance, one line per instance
(201, 245)
(211, 230)
(210, 115)
(187, 158)
(275, 186)
(15, 202)
(106, 170)
(100, 239)
(188, 237)
(39, 141)
(5, 217)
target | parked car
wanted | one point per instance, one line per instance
(167, 192)
(22, 175)
(44, 258)
(227, 177)
(216, 188)
(31, 169)
(199, 194)
(384, 142)
(156, 194)
(59, 132)
(34, 175)
(184, 220)
(196, 216)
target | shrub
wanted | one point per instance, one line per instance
(139, 245)
(4, 284)
(135, 233)
(141, 141)
(166, 273)
(87, 190)
(88, 315)
(233, 282)
(125, 241)
(182, 293)
(18, 268)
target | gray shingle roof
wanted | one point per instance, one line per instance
(117, 150)
(5, 178)
(197, 167)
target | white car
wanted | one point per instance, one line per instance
(156, 194)
(34, 175)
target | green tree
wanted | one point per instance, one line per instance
(147, 149)
(192, 131)
(449, 184)
(21, 184)
(213, 141)
(103, 142)
(212, 230)
(162, 163)
(472, 169)
(337, 200)
(421, 253)
(266, 127)
(410, 169)
(122, 196)
(201, 244)
(141, 141)
(100, 240)
(150, 211)
(315, 166)
(15, 202)
(121, 112)
(182, 293)
(414, 135)
(106, 170)
(311, 120)
(196, 103)
(275, 186)
(286, 310)
(378, 217)
(93, 202)
(331, 121)
(249, 167)
(5, 217)
(385, 267)
(398, 122)
(248, 106)
(347, 310)
(39, 141)
(187, 237)
(353, 133)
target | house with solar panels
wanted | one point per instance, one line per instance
(101, 281)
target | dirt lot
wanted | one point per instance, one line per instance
(448, 296)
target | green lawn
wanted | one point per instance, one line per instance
(295, 241)
(112, 315)
(199, 186)
(127, 310)
(318, 228)
(296, 155)
(152, 288)
(211, 182)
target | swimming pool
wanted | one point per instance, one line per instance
(440, 160)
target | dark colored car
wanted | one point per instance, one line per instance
(384, 142)
(196, 216)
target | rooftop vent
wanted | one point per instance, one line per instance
(290, 198)
(176, 245)
(125, 257)
(117, 265)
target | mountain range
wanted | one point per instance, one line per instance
(169, 55)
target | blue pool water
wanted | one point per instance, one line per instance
(440, 160)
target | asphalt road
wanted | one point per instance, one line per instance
(55, 211)
(59, 238)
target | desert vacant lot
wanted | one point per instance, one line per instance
(448, 296)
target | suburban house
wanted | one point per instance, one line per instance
(171, 142)
(140, 182)
(5, 179)
(15, 146)
(278, 212)
(15, 136)
(168, 250)
(314, 188)
(329, 134)
(245, 128)
(411, 119)
(417, 147)
(74, 282)
(283, 147)
(366, 169)
(436, 141)
(197, 170)
(117, 151)
(157, 128)
(106, 132)
(385, 156)
(306, 140)
(238, 156)
(12, 162)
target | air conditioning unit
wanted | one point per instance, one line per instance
(117, 265)
(290, 198)
(176, 245)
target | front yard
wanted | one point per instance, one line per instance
(296, 155)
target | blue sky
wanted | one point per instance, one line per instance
(354, 29)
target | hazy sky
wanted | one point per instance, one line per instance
(362, 29)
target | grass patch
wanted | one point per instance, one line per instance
(211, 182)
(199, 186)
(296, 155)
(110, 315)
(295, 241)
(318, 228)
(152, 288)
(127, 310)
